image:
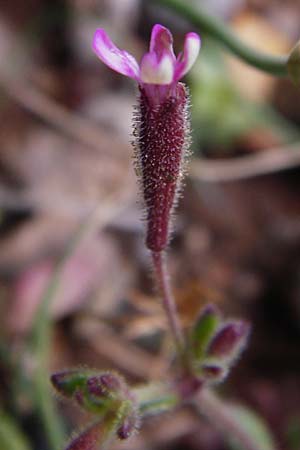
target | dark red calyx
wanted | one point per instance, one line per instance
(162, 135)
(87, 440)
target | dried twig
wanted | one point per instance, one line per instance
(123, 354)
(262, 163)
(79, 128)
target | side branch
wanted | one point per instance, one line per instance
(275, 65)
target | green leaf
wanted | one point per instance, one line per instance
(293, 432)
(254, 426)
(220, 114)
(69, 381)
(155, 398)
(40, 339)
(203, 331)
(11, 437)
(293, 64)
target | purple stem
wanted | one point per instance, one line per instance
(168, 301)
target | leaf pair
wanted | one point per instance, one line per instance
(214, 344)
(104, 394)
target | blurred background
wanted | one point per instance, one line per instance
(65, 131)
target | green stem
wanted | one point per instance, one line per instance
(11, 436)
(41, 335)
(41, 339)
(155, 398)
(275, 65)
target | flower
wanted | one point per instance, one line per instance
(161, 122)
(159, 66)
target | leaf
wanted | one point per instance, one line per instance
(293, 64)
(11, 437)
(68, 382)
(155, 398)
(254, 426)
(203, 331)
(293, 432)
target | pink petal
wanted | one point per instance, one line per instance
(161, 41)
(113, 57)
(187, 58)
(157, 71)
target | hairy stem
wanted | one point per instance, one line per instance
(275, 65)
(168, 300)
(220, 415)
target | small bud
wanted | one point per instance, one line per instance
(94, 392)
(293, 64)
(128, 426)
(103, 392)
(80, 398)
(95, 387)
(88, 439)
(229, 340)
(214, 373)
(204, 329)
(111, 381)
(69, 381)
(104, 385)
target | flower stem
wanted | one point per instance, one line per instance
(275, 65)
(168, 300)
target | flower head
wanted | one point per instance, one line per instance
(159, 66)
(161, 121)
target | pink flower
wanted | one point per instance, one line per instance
(161, 121)
(158, 67)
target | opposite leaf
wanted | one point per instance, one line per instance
(203, 330)
(68, 382)
(229, 341)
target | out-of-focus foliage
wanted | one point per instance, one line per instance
(220, 113)
(293, 433)
(254, 426)
(11, 437)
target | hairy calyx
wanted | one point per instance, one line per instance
(162, 138)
